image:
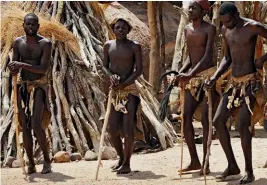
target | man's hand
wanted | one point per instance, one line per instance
(184, 77)
(259, 64)
(114, 80)
(118, 87)
(210, 83)
(15, 66)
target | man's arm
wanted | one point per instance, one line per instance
(106, 60)
(209, 50)
(186, 66)
(44, 63)
(138, 66)
(261, 30)
(15, 57)
(225, 63)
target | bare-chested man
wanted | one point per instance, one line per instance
(123, 64)
(240, 35)
(31, 55)
(199, 65)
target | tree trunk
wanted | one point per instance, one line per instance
(154, 69)
(217, 40)
(162, 43)
(177, 63)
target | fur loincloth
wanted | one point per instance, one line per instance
(196, 84)
(27, 93)
(120, 100)
(240, 87)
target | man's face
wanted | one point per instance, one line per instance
(195, 11)
(31, 26)
(229, 21)
(121, 29)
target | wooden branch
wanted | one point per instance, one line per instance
(16, 120)
(79, 128)
(54, 11)
(7, 121)
(66, 110)
(179, 40)
(94, 135)
(58, 105)
(154, 56)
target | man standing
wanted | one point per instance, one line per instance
(198, 66)
(240, 36)
(31, 55)
(123, 64)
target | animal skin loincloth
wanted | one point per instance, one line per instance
(27, 93)
(240, 88)
(242, 84)
(196, 84)
(120, 100)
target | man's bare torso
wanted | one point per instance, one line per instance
(242, 43)
(196, 43)
(121, 58)
(30, 54)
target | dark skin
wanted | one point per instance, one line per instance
(123, 64)
(199, 37)
(31, 54)
(240, 35)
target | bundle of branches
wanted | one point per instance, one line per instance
(78, 86)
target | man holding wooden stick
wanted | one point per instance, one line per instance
(123, 64)
(31, 56)
(198, 66)
(240, 36)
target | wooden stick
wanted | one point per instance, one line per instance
(15, 102)
(103, 132)
(208, 92)
(182, 96)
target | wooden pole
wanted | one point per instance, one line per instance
(208, 92)
(154, 56)
(16, 119)
(182, 126)
(103, 133)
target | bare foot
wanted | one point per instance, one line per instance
(201, 172)
(227, 172)
(31, 169)
(117, 165)
(46, 168)
(249, 177)
(191, 167)
(124, 169)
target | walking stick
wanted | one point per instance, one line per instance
(103, 132)
(16, 119)
(208, 93)
(182, 126)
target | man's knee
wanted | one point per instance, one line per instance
(129, 133)
(218, 121)
(113, 131)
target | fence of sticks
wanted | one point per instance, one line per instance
(77, 85)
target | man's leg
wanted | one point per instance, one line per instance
(36, 123)
(244, 119)
(115, 119)
(205, 124)
(129, 123)
(27, 136)
(221, 116)
(190, 106)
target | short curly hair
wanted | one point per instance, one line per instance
(228, 8)
(120, 19)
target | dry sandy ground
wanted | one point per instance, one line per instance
(155, 168)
